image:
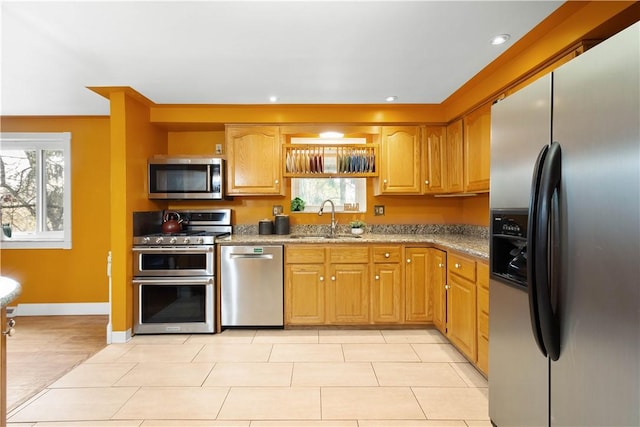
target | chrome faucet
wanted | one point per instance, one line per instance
(334, 223)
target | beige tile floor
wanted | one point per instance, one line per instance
(268, 378)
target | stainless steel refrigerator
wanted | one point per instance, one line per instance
(565, 244)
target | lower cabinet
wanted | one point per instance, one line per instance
(483, 317)
(304, 288)
(313, 297)
(437, 278)
(461, 303)
(387, 305)
(364, 285)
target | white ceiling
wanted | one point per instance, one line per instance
(242, 52)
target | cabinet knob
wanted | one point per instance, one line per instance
(440, 265)
(377, 277)
(447, 287)
(409, 261)
(384, 182)
(277, 182)
(387, 255)
(426, 182)
(10, 330)
(333, 278)
(322, 278)
(456, 265)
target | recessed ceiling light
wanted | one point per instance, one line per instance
(391, 98)
(499, 39)
(273, 98)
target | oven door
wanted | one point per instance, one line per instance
(173, 305)
(174, 261)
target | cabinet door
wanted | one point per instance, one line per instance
(418, 301)
(461, 319)
(483, 317)
(437, 279)
(254, 161)
(386, 294)
(348, 294)
(477, 149)
(304, 294)
(400, 160)
(454, 153)
(434, 162)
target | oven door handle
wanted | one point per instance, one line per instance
(175, 281)
(174, 249)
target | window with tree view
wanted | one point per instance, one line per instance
(35, 197)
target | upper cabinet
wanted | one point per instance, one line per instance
(254, 166)
(399, 171)
(455, 183)
(434, 162)
(477, 149)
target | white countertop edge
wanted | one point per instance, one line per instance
(9, 290)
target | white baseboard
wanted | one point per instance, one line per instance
(62, 309)
(120, 337)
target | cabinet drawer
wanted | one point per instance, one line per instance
(349, 255)
(304, 255)
(483, 275)
(386, 254)
(462, 266)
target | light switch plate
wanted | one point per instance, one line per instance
(277, 210)
(378, 210)
(218, 148)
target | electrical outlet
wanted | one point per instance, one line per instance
(218, 148)
(277, 210)
(378, 210)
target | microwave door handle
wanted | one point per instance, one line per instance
(209, 179)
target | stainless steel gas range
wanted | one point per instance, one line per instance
(174, 273)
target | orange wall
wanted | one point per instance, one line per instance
(133, 140)
(78, 274)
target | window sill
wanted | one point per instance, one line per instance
(16, 243)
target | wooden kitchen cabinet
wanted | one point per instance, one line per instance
(254, 164)
(399, 171)
(461, 303)
(419, 294)
(437, 277)
(315, 298)
(483, 317)
(477, 149)
(386, 287)
(305, 285)
(348, 288)
(434, 161)
(454, 155)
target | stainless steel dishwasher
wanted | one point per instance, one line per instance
(252, 284)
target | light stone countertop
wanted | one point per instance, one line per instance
(9, 290)
(471, 245)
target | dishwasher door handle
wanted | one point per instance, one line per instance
(250, 256)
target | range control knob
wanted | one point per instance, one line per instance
(159, 240)
(200, 240)
(186, 240)
(173, 240)
(146, 239)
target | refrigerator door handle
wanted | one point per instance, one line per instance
(549, 184)
(532, 245)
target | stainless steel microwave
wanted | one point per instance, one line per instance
(186, 178)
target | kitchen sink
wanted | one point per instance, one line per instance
(324, 236)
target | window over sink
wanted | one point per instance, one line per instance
(348, 194)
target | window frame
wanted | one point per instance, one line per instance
(39, 142)
(362, 191)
